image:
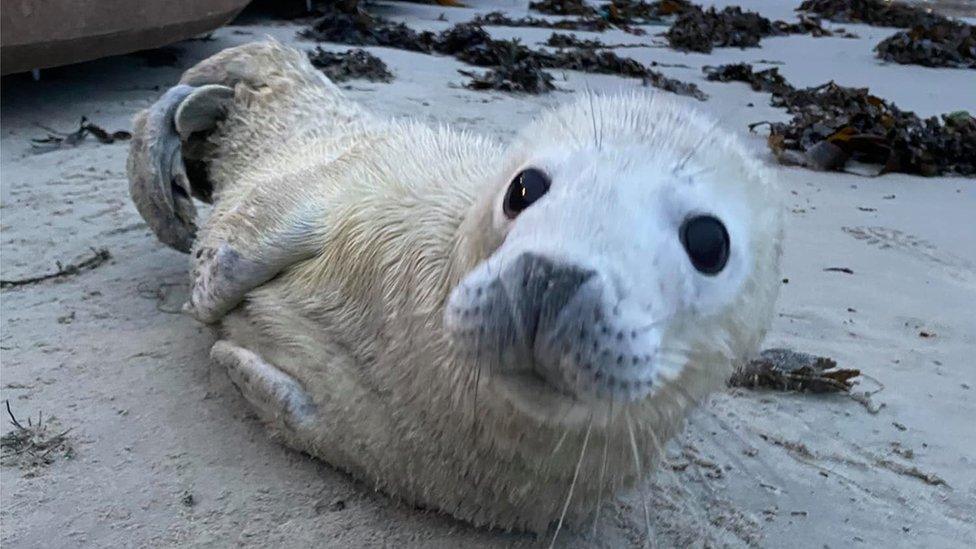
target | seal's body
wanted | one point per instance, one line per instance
(504, 334)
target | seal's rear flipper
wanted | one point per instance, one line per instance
(166, 160)
(278, 398)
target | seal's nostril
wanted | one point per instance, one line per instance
(542, 289)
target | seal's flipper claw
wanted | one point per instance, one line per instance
(158, 181)
(278, 398)
(164, 152)
(221, 277)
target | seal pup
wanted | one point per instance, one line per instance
(508, 334)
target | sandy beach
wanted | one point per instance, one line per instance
(165, 451)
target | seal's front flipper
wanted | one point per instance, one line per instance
(278, 398)
(212, 137)
(166, 160)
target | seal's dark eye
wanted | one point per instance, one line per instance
(527, 187)
(707, 243)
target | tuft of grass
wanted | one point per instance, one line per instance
(35, 445)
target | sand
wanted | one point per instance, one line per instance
(166, 452)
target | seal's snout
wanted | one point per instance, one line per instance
(539, 317)
(539, 289)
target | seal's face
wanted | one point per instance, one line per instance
(622, 256)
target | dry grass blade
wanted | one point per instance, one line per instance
(33, 445)
(98, 257)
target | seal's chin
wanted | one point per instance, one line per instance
(531, 394)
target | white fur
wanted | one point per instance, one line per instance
(370, 225)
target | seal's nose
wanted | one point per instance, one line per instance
(540, 288)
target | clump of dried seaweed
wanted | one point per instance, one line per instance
(598, 62)
(471, 44)
(930, 39)
(787, 370)
(701, 30)
(769, 80)
(564, 41)
(557, 40)
(881, 13)
(348, 23)
(589, 24)
(618, 12)
(840, 128)
(632, 12)
(562, 7)
(57, 140)
(518, 77)
(342, 66)
(34, 445)
(932, 43)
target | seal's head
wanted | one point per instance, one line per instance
(628, 247)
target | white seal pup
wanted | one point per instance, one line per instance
(505, 334)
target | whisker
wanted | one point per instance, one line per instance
(589, 97)
(701, 142)
(572, 485)
(570, 130)
(661, 457)
(559, 443)
(603, 468)
(640, 483)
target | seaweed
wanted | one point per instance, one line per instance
(618, 12)
(96, 260)
(348, 23)
(470, 43)
(34, 445)
(342, 66)
(630, 12)
(788, 370)
(930, 39)
(870, 12)
(557, 40)
(841, 128)
(562, 7)
(518, 77)
(563, 41)
(516, 67)
(932, 43)
(57, 140)
(589, 24)
(769, 80)
(701, 30)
